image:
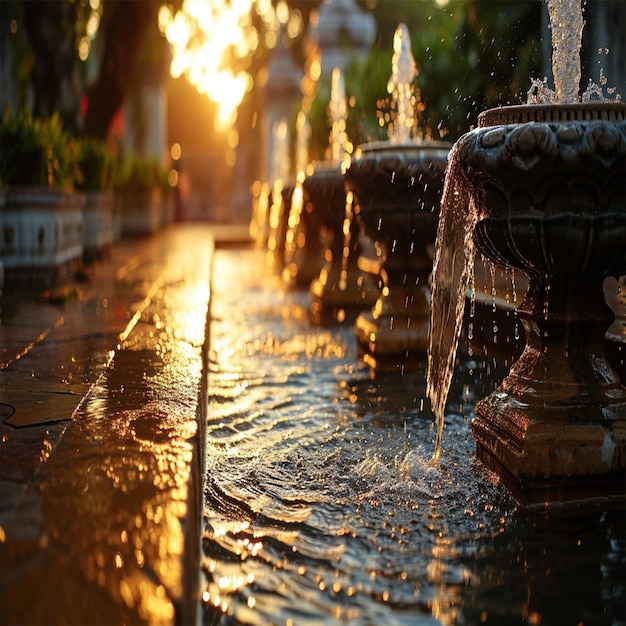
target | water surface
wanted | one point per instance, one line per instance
(322, 504)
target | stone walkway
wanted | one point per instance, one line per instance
(102, 407)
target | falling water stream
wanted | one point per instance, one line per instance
(323, 505)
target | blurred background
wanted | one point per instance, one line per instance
(197, 86)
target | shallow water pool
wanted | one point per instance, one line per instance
(322, 504)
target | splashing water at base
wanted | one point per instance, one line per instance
(322, 504)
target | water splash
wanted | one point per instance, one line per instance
(403, 72)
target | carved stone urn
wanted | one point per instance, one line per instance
(341, 289)
(304, 251)
(397, 189)
(547, 184)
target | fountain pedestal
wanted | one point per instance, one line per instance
(397, 189)
(548, 189)
(277, 222)
(304, 251)
(341, 289)
(259, 222)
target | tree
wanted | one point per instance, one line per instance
(50, 64)
(124, 31)
(128, 46)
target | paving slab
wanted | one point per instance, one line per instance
(103, 405)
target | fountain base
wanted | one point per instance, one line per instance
(555, 429)
(314, 200)
(339, 294)
(395, 330)
(554, 454)
(545, 184)
(341, 289)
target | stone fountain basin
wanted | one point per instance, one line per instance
(550, 187)
(398, 189)
(389, 173)
(569, 245)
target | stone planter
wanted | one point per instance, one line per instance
(41, 236)
(141, 213)
(98, 224)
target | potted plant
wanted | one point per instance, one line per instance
(95, 179)
(137, 183)
(41, 223)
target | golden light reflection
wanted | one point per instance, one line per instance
(213, 41)
(89, 29)
(444, 605)
(230, 581)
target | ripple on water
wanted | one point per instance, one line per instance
(323, 504)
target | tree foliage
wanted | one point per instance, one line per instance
(44, 38)
(470, 54)
(127, 30)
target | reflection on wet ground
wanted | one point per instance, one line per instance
(100, 485)
(322, 502)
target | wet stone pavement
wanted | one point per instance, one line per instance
(102, 406)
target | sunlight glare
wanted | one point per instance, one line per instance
(212, 43)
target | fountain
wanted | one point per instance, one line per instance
(323, 505)
(304, 252)
(337, 288)
(341, 289)
(542, 188)
(282, 192)
(397, 186)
